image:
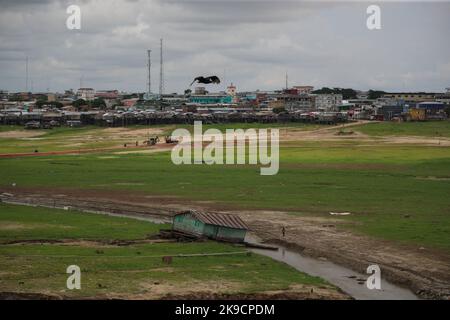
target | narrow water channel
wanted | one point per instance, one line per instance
(349, 281)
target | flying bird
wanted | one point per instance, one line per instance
(206, 80)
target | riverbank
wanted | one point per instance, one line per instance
(341, 275)
(123, 258)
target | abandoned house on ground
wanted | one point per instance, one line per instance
(225, 227)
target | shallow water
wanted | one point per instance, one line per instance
(349, 281)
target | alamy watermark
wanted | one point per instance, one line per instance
(373, 21)
(73, 21)
(374, 280)
(74, 280)
(228, 148)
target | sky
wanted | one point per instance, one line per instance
(251, 43)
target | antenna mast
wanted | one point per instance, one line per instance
(26, 75)
(161, 70)
(286, 80)
(149, 64)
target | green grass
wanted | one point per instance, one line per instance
(56, 139)
(223, 126)
(378, 184)
(5, 128)
(124, 270)
(65, 138)
(427, 129)
(26, 223)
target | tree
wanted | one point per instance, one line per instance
(98, 103)
(375, 94)
(447, 111)
(278, 110)
(54, 104)
(348, 93)
(79, 103)
(323, 90)
(41, 103)
(42, 97)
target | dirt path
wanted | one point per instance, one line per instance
(331, 133)
(426, 272)
(288, 134)
(18, 134)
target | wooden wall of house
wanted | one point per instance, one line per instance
(187, 223)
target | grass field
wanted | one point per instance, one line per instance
(4, 128)
(56, 139)
(28, 223)
(124, 271)
(64, 138)
(222, 127)
(427, 129)
(394, 192)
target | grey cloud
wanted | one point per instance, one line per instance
(253, 42)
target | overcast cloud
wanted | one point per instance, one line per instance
(251, 44)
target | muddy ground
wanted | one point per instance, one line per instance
(425, 271)
(295, 293)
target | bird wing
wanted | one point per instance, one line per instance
(195, 79)
(215, 79)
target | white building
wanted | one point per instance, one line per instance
(231, 90)
(328, 102)
(304, 89)
(87, 94)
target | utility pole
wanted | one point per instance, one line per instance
(161, 69)
(26, 74)
(149, 64)
(286, 80)
(225, 76)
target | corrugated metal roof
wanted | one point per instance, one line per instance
(219, 219)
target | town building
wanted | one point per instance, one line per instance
(416, 114)
(231, 91)
(413, 97)
(433, 110)
(107, 94)
(388, 112)
(211, 98)
(51, 97)
(292, 102)
(444, 97)
(86, 94)
(328, 102)
(4, 94)
(200, 90)
(364, 95)
(304, 89)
